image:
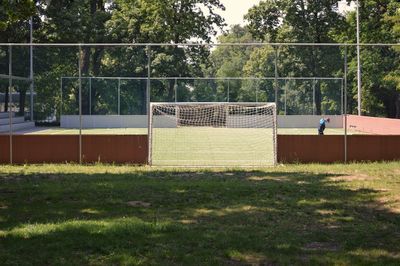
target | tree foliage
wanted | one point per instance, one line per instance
(181, 21)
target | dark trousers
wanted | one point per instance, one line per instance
(321, 129)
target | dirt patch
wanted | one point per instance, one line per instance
(355, 177)
(396, 171)
(389, 203)
(326, 212)
(234, 262)
(321, 246)
(188, 221)
(138, 204)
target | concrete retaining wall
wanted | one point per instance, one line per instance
(140, 121)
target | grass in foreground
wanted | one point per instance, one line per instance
(295, 214)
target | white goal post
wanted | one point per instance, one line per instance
(200, 134)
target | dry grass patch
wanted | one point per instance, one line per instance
(353, 177)
(248, 258)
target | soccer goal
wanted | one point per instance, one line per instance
(212, 134)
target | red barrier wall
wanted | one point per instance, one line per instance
(310, 148)
(65, 148)
(134, 148)
(4, 148)
(373, 148)
(116, 148)
(374, 125)
(330, 148)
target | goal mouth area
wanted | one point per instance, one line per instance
(212, 134)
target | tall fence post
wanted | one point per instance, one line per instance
(359, 86)
(257, 93)
(80, 103)
(10, 101)
(148, 98)
(276, 77)
(61, 95)
(313, 92)
(229, 82)
(31, 89)
(345, 105)
(176, 90)
(90, 96)
(342, 96)
(119, 96)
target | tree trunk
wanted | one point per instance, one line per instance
(318, 98)
(22, 97)
(171, 90)
(6, 100)
(317, 86)
(143, 90)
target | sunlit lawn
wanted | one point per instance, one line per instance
(294, 214)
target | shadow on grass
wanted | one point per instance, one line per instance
(167, 217)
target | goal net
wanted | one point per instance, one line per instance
(212, 134)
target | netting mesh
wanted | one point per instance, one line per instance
(212, 134)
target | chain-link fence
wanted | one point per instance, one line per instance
(106, 89)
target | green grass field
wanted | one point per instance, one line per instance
(124, 215)
(204, 146)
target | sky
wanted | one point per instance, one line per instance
(236, 9)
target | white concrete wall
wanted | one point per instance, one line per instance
(140, 121)
(308, 121)
(104, 121)
(245, 121)
(114, 121)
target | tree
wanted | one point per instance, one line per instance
(229, 61)
(12, 12)
(130, 21)
(168, 21)
(14, 27)
(300, 21)
(393, 19)
(380, 64)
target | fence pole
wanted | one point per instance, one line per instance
(345, 105)
(61, 95)
(149, 119)
(10, 90)
(31, 66)
(358, 59)
(229, 82)
(119, 96)
(313, 89)
(176, 90)
(80, 104)
(256, 94)
(276, 77)
(285, 96)
(342, 96)
(275, 136)
(90, 96)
